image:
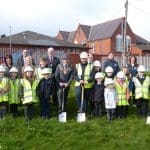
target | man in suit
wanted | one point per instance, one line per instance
(53, 63)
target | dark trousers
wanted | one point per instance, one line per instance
(14, 109)
(3, 109)
(78, 91)
(110, 114)
(60, 95)
(98, 107)
(142, 107)
(28, 111)
(122, 111)
(45, 108)
(55, 98)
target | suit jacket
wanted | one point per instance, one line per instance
(54, 64)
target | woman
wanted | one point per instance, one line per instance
(8, 63)
(132, 68)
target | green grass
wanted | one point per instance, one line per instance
(94, 134)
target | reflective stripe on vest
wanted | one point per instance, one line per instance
(3, 84)
(29, 92)
(142, 90)
(14, 91)
(87, 73)
(122, 94)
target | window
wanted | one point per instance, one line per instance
(119, 43)
(128, 42)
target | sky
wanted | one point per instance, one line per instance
(50, 16)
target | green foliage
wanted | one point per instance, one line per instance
(95, 134)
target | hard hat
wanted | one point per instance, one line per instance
(141, 68)
(99, 75)
(28, 68)
(46, 71)
(84, 55)
(2, 68)
(97, 63)
(108, 81)
(121, 75)
(13, 69)
(109, 69)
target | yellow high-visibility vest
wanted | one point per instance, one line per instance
(122, 94)
(87, 73)
(14, 92)
(142, 90)
(3, 84)
(29, 95)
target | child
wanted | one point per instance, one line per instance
(28, 89)
(4, 89)
(44, 91)
(38, 71)
(14, 91)
(110, 99)
(98, 94)
(109, 72)
(142, 91)
(123, 95)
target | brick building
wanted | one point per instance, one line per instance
(108, 37)
(37, 45)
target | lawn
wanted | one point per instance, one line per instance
(95, 134)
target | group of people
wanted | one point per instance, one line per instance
(97, 89)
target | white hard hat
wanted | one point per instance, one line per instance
(109, 69)
(108, 81)
(28, 69)
(2, 68)
(141, 68)
(13, 69)
(97, 63)
(99, 75)
(121, 75)
(84, 55)
(46, 71)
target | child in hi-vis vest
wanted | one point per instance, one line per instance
(28, 90)
(14, 91)
(4, 89)
(123, 94)
(110, 99)
(142, 91)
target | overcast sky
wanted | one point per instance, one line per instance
(48, 16)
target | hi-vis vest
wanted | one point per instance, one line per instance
(3, 84)
(38, 74)
(142, 90)
(14, 91)
(122, 94)
(29, 95)
(87, 73)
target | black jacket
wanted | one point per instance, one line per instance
(45, 92)
(98, 92)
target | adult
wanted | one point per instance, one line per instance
(133, 66)
(8, 63)
(132, 69)
(64, 76)
(111, 62)
(82, 81)
(53, 63)
(21, 60)
(90, 58)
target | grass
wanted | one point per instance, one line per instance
(95, 134)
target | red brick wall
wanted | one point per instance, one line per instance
(102, 47)
(79, 35)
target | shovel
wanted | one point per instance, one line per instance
(81, 117)
(63, 115)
